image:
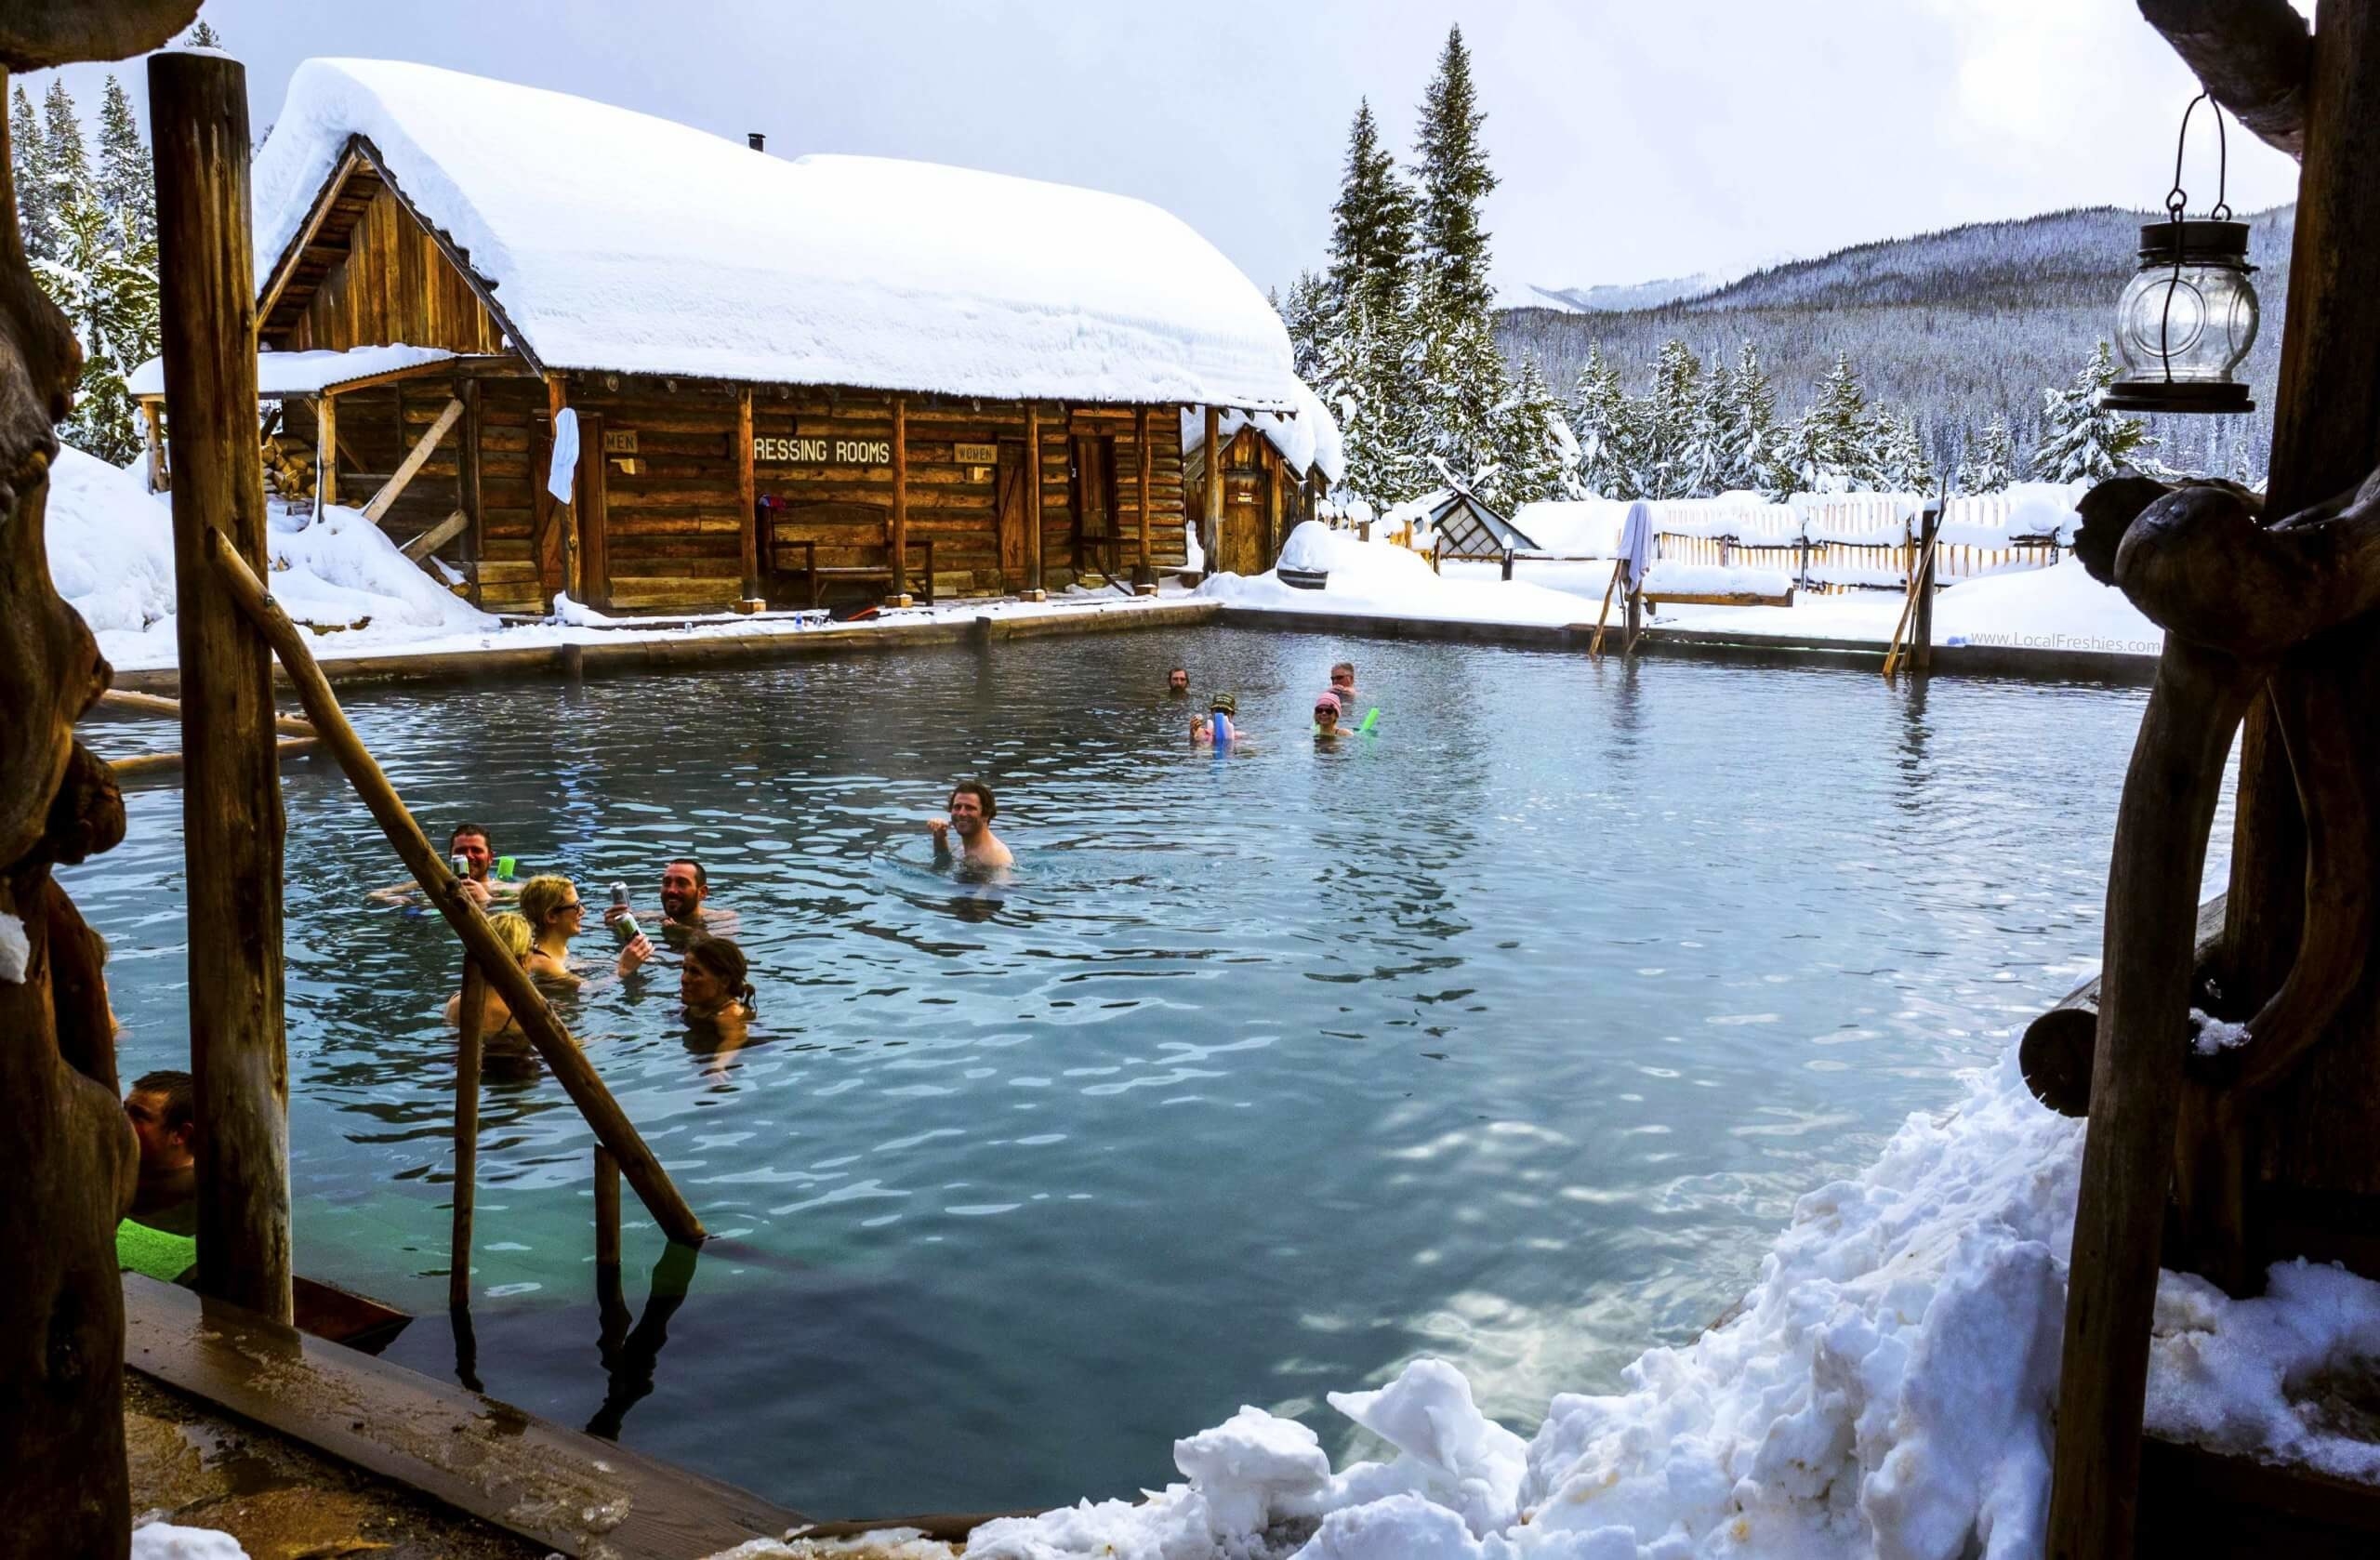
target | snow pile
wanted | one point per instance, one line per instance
(161, 1540)
(1884, 1391)
(1574, 527)
(1667, 579)
(731, 264)
(111, 557)
(1380, 579)
(2061, 608)
(1307, 440)
(279, 374)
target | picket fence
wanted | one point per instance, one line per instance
(1857, 541)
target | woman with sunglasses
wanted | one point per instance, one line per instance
(551, 905)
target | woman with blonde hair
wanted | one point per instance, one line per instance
(495, 1015)
(552, 907)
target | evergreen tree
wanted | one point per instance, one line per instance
(1897, 458)
(1371, 223)
(1463, 381)
(1750, 462)
(1828, 449)
(126, 187)
(1702, 460)
(1370, 376)
(204, 37)
(1454, 179)
(1536, 456)
(70, 160)
(100, 267)
(1991, 465)
(1307, 315)
(1668, 426)
(2083, 441)
(1602, 427)
(28, 164)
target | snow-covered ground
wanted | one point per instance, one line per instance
(2054, 608)
(1883, 1392)
(111, 555)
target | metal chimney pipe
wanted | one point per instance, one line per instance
(755, 139)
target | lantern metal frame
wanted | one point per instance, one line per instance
(2213, 243)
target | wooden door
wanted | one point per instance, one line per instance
(591, 513)
(544, 536)
(1241, 548)
(1094, 469)
(1008, 487)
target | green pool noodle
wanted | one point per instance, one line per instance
(153, 1252)
(1370, 719)
(504, 866)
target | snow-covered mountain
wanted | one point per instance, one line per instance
(1612, 297)
(1952, 325)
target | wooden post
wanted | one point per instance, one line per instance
(231, 820)
(467, 1133)
(1921, 651)
(748, 499)
(467, 482)
(900, 593)
(1145, 578)
(566, 512)
(607, 1208)
(1033, 590)
(153, 442)
(560, 1052)
(416, 459)
(1211, 525)
(326, 451)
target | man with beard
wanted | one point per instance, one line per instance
(971, 812)
(685, 906)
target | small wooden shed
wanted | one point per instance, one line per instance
(786, 380)
(1274, 472)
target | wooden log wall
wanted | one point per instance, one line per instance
(394, 284)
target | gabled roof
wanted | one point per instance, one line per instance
(616, 241)
(1468, 527)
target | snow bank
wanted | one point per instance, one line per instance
(1667, 578)
(2060, 608)
(1378, 578)
(112, 556)
(161, 1540)
(1883, 1394)
(1309, 440)
(728, 263)
(281, 374)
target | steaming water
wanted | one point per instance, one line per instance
(1509, 1034)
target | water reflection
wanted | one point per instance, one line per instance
(631, 1353)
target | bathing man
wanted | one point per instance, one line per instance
(1343, 682)
(971, 812)
(163, 1109)
(685, 906)
(1177, 683)
(470, 841)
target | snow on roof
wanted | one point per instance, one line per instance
(1308, 440)
(303, 373)
(618, 241)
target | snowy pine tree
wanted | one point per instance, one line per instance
(1668, 425)
(102, 272)
(28, 164)
(1370, 376)
(126, 187)
(1307, 314)
(1709, 434)
(1990, 464)
(1603, 425)
(1827, 450)
(2081, 440)
(1371, 223)
(1897, 457)
(1463, 382)
(204, 37)
(1750, 461)
(1536, 456)
(1454, 179)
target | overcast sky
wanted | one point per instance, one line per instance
(1634, 138)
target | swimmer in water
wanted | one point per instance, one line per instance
(1326, 717)
(1343, 683)
(716, 987)
(1177, 683)
(1221, 728)
(971, 812)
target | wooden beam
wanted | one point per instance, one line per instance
(1144, 582)
(1033, 590)
(561, 1488)
(455, 258)
(152, 766)
(154, 703)
(326, 449)
(470, 1011)
(1212, 524)
(422, 449)
(561, 1054)
(900, 592)
(747, 495)
(467, 482)
(2254, 55)
(438, 536)
(232, 819)
(324, 198)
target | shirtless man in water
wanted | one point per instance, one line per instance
(971, 812)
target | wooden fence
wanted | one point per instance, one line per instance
(1858, 541)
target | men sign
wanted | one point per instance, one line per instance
(810, 449)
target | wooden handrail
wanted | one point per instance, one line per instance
(152, 704)
(468, 1056)
(578, 1079)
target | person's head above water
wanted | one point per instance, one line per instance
(550, 904)
(714, 974)
(1327, 710)
(1343, 676)
(971, 808)
(511, 929)
(163, 1108)
(1178, 681)
(471, 842)
(684, 886)
(1223, 703)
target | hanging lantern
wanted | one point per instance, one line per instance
(2189, 316)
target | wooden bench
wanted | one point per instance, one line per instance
(819, 574)
(1718, 599)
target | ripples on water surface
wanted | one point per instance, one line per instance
(1509, 1034)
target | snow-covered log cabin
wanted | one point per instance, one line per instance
(788, 379)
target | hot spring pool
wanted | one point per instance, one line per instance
(1508, 1034)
